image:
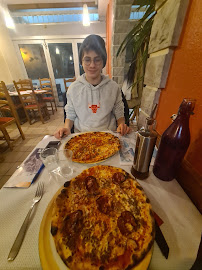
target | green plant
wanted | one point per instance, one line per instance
(138, 40)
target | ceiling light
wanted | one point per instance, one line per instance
(86, 18)
(57, 51)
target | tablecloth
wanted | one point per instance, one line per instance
(181, 228)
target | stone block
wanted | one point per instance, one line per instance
(118, 38)
(167, 25)
(149, 98)
(157, 69)
(118, 71)
(115, 79)
(119, 61)
(120, 81)
(121, 26)
(131, 25)
(114, 50)
(158, 4)
(126, 68)
(124, 2)
(122, 12)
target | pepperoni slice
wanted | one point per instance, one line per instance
(127, 223)
(73, 223)
(79, 183)
(104, 205)
(118, 178)
(91, 184)
(72, 226)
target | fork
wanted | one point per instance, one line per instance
(19, 239)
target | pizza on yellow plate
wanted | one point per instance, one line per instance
(92, 147)
(102, 220)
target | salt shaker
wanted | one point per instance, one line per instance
(144, 148)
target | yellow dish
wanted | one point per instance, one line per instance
(50, 260)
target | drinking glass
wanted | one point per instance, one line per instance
(65, 162)
(49, 156)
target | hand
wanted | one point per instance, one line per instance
(123, 129)
(62, 132)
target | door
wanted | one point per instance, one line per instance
(64, 61)
(57, 59)
(33, 60)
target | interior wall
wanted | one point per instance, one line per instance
(53, 30)
(185, 80)
(4, 73)
(10, 67)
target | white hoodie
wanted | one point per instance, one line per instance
(106, 98)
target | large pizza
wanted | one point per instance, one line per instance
(92, 147)
(102, 220)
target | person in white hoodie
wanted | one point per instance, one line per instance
(94, 101)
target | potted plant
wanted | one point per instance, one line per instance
(138, 40)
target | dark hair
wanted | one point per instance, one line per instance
(93, 43)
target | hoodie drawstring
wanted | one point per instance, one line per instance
(92, 106)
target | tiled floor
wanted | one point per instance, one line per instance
(9, 160)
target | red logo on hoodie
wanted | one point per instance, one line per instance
(94, 107)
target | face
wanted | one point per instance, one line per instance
(92, 65)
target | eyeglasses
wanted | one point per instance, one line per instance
(97, 61)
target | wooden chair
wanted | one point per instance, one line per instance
(68, 81)
(18, 107)
(135, 114)
(46, 84)
(64, 94)
(31, 103)
(6, 105)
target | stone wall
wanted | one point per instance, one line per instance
(121, 26)
(164, 38)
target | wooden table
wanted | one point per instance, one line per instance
(37, 92)
(18, 105)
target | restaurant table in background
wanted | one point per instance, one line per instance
(37, 91)
(19, 108)
(181, 228)
(16, 101)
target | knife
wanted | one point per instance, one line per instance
(161, 242)
(198, 262)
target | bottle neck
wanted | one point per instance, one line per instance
(183, 115)
(186, 108)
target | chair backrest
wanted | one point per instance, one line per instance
(46, 84)
(26, 91)
(6, 103)
(26, 84)
(68, 81)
